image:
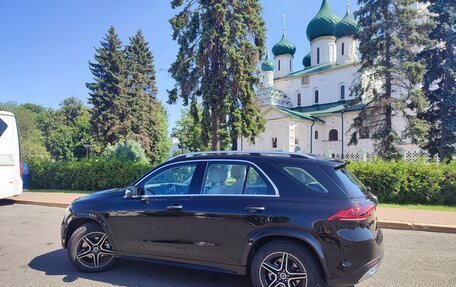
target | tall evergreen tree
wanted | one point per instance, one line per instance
(148, 120)
(188, 130)
(220, 45)
(108, 92)
(439, 81)
(389, 39)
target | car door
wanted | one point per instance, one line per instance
(152, 221)
(236, 199)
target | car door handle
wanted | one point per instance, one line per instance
(255, 208)
(174, 207)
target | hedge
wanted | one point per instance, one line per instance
(392, 182)
(84, 175)
(409, 183)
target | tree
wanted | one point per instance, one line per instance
(108, 92)
(188, 131)
(439, 80)
(30, 136)
(389, 39)
(147, 122)
(66, 130)
(220, 45)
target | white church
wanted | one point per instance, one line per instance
(305, 109)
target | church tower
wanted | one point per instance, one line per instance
(283, 52)
(347, 45)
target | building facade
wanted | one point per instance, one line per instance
(306, 110)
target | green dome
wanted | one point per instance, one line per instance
(284, 47)
(267, 65)
(324, 23)
(306, 60)
(346, 27)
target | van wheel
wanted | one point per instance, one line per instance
(283, 263)
(89, 249)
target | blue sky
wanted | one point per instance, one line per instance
(45, 45)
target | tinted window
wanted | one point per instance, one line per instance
(224, 178)
(170, 181)
(351, 183)
(3, 127)
(256, 184)
(304, 177)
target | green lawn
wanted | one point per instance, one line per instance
(57, 190)
(420, 206)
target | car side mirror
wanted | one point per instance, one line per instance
(130, 192)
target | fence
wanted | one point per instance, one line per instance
(415, 156)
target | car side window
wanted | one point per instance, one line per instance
(173, 180)
(256, 184)
(304, 177)
(224, 178)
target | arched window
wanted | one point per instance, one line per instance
(333, 135)
(318, 56)
(274, 142)
(343, 49)
(291, 65)
(299, 99)
(316, 97)
(316, 135)
(278, 66)
(364, 133)
(342, 92)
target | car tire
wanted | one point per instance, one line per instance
(89, 249)
(301, 270)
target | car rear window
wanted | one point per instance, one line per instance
(350, 183)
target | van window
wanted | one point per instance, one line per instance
(3, 127)
(305, 178)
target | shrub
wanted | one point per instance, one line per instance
(85, 174)
(126, 151)
(409, 183)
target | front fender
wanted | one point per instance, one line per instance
(75, 219)
(289, 233)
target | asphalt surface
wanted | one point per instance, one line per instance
(30, 255)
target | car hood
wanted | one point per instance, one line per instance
(102, 195)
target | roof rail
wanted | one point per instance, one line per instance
(243, 152)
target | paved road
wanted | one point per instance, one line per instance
(30, 255)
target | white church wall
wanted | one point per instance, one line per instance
(323, 50)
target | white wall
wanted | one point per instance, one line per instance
(286, 65)
(327, 46)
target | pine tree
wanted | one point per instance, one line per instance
(220, 45)
(389, 39)
(148, 121)
(439, 80)
(188, 130)
(108, 93)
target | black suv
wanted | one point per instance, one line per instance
(287, 219)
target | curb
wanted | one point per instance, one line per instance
(400, 225)
(417, 226)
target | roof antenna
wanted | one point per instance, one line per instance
(284, 24)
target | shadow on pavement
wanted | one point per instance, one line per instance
(135, 273)
(6, 202)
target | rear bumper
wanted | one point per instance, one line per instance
(363, 273)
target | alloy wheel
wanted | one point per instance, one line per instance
(94, 250)
(282, 269)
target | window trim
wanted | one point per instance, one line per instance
(206, 161)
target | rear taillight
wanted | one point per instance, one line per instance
(357, 213)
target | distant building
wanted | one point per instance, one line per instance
(174, 146)
(305, 109)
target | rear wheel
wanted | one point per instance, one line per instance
(89, 249)
(284, 263)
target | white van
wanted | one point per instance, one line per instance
(10, 157)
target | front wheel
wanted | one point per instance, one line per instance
(284, 263)
(89, 249)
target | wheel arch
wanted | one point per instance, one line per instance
(83, 218)
(263, 237)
